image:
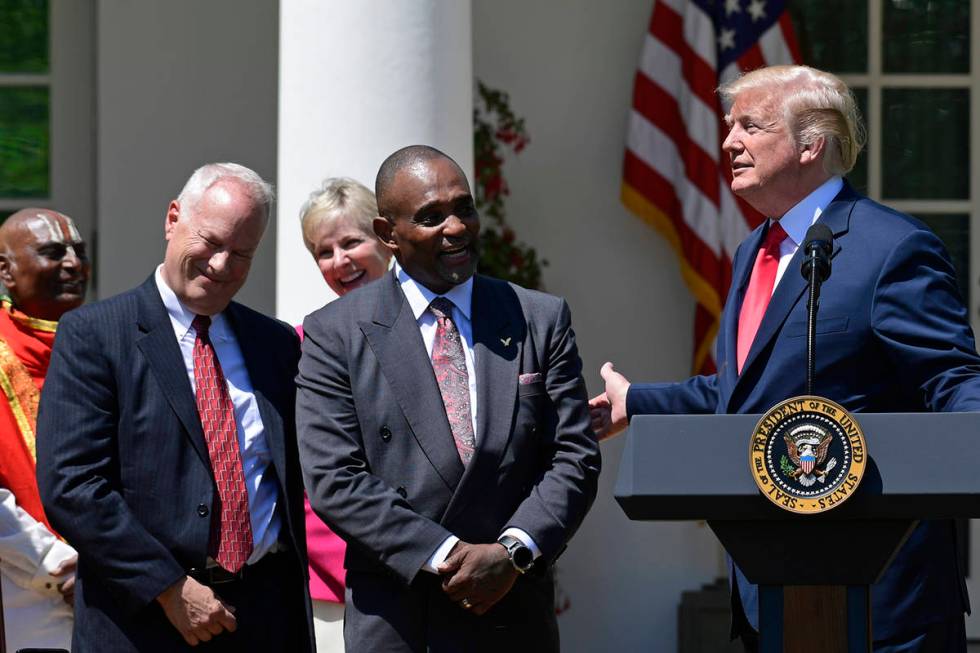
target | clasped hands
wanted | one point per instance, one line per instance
(476, 576)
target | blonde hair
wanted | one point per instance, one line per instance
(816, 105)
(336, 197)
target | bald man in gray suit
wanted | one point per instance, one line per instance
(444, 432)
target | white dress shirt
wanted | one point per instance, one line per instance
(263, 493)
(419, 297)
(801, 217)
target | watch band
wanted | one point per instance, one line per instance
(519, 554)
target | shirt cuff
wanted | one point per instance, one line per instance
(44, 581)
(525, 538)
(440, 554)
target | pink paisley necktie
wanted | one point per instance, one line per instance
(232, 544)
(759, 292)
(449, 363)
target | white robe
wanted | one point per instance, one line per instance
(35, 614)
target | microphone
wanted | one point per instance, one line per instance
(817, 247)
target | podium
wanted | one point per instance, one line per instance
(696, 467)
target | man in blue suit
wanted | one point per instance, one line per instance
(166, 448)
(892, 335)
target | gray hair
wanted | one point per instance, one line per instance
(336, 197)
(209, 174)
(815, 104)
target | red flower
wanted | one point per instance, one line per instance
(494, 186)
(506, 135)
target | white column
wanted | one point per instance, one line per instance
(358, 80)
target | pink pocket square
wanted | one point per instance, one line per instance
(527, 379)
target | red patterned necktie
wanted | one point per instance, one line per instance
(449, 363)
(759, 292)
(234, 536)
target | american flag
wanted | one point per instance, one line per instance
(675, 175)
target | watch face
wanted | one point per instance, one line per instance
(523, 557)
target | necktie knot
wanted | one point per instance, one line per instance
(775, 237)
(441, 307)
(201, 325)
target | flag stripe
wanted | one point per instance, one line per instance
(662, 66)
(643, 208)
(786, 26)
(676, 175)
(752, 58)
(659, 108)
(774, 46)
(659, 192)
(658, 152)
(667, 28)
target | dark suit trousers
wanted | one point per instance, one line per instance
(270, 614)
(392, 618)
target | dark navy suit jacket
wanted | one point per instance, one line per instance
(123, 466)
(892, 336)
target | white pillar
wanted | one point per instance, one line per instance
(358, 80)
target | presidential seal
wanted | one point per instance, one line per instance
(807, 454)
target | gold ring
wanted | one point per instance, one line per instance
(466, 604)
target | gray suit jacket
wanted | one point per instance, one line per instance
(379, 460)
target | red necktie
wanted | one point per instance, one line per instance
(234, 536)
(759, 291)
(449, 363)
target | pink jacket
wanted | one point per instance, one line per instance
(326, 552)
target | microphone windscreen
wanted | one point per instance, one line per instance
(821, 235)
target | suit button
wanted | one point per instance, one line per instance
(533, 429)
(402, 491)
(202, 510)
(385, 433)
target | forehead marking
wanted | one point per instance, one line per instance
(73, 233)
(45, 228)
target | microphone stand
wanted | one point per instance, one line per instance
(817, 249)
(811, 328)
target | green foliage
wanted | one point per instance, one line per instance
(24, 141)
(785, 466)
(24, 46)
(496, 128)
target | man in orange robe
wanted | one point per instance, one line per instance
(44, 269)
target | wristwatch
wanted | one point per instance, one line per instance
(520, 556)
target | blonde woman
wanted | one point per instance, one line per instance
(337, 231)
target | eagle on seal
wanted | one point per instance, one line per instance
(807, 446)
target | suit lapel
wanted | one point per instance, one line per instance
(792, 285)
(261, 366)
(159, 347)
(395, 338)
(498, 336)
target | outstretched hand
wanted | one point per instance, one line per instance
(608, 410)
(476, 576)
